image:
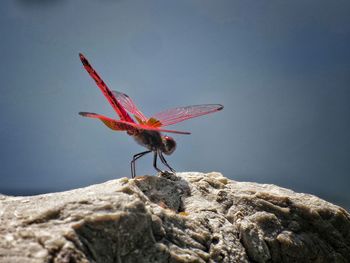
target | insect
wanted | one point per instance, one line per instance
(146, 131)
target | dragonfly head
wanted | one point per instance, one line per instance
(169, 145)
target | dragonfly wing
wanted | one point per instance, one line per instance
(163, 130)
(129, 105)
(175, 115)
(123, 115)
(110, 123)
(119, 125)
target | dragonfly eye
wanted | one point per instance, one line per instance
(169, 145)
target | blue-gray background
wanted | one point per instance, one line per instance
(281, 68)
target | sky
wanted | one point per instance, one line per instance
(280, 68)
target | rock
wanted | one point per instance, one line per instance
(191, 217)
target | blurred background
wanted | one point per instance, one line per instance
(280, 68)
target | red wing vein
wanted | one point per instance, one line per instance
(129, 105)
(175, 115)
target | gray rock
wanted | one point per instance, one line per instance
(191, 217)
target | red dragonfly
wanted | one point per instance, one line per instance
(146, 131)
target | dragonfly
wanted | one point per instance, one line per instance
(146, 131)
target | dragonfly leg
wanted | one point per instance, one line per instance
(165, 162)
(135, 157)
(155, 162)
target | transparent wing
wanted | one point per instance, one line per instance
(123, 115)
(129, 105)
(118, 125)
(175, 115)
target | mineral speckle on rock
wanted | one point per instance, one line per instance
(191, 217)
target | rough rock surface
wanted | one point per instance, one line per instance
(191, 217)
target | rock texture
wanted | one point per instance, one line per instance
(191, 217)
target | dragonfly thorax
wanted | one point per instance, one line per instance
(154, 141)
